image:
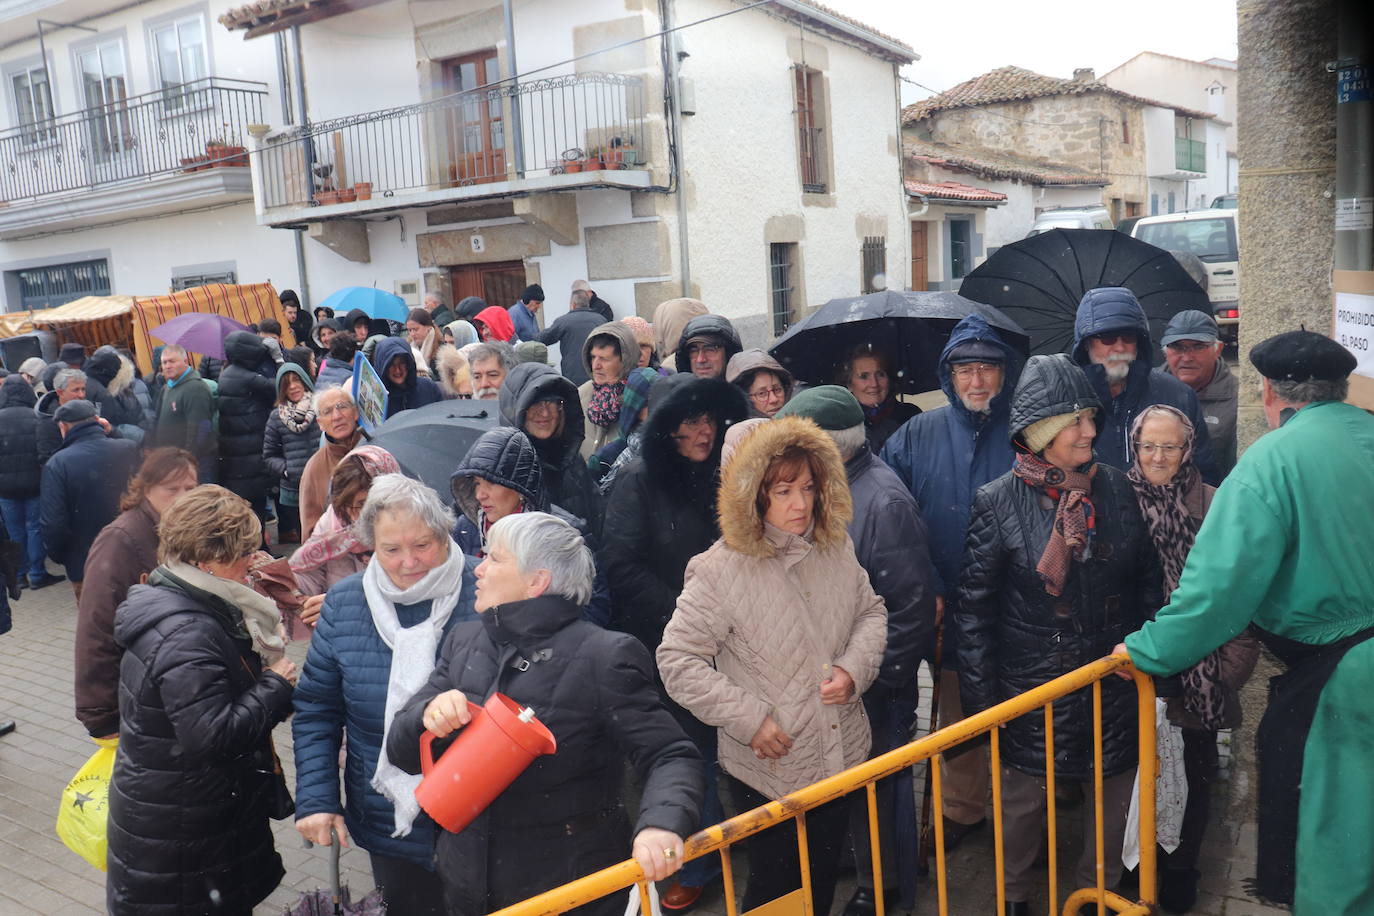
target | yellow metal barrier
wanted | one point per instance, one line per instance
(719, 838)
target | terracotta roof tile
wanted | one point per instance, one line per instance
(1011, 84)
(996, 165)
(952, 190)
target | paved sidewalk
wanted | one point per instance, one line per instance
(41, 877)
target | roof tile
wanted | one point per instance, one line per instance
(952, 190)
(996, 165)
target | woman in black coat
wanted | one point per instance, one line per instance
(292, 436)
(196, 779)
(1058, 566)
(545, 407)
(246, 396)
(563, 817)
(21, 474)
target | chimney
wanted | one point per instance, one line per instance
(1084, 75)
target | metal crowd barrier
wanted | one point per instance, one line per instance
(720, 837)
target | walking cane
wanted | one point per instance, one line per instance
(927, 844)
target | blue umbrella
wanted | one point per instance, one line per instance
(374, 302)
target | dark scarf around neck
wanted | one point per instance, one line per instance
(1075, 519)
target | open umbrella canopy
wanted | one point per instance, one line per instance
(1039, 281)
(910, 328)
(198, 332)
(376, 303)
(428, 442)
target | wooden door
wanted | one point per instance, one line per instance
(920, 256)
(499, 282)
(477, 140)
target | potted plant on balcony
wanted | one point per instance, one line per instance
(572, 160)
(592, 161)
(362, 190)
(195, 163)
(621, 154)
(226, 153)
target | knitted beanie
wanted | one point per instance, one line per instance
(828, 406)
(1041, 433)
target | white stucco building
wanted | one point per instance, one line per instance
(750, 161)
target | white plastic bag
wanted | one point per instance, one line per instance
(1171, 792)
(632, 908)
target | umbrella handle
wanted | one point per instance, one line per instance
(334, 884)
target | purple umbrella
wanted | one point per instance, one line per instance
(198, 332)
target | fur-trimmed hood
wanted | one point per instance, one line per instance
(677, 398)
(741, 522)
(123, 378)
(452, 369)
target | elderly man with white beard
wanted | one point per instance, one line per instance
(1112, 344)
(490, 363)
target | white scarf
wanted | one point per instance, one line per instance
(261, 616)
(413, 651)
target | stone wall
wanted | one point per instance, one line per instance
(1079, 131)
(1287, 147)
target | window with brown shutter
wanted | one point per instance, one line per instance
(810, 150)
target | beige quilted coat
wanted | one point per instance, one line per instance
(764, 616)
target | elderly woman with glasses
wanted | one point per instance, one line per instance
(337, 416)
(1174, 500)
(376, 642)
(564, 816)
(867, 373)
(762, 379)
(203, 680)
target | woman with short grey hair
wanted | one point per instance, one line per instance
(374, 646)
(594, 690)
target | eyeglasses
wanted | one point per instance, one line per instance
(333, 409)
(1111, 340)
(1168, 451)
(766, 393)
(1183, 346)
(695, 425)
(546, 407)
(969, 370)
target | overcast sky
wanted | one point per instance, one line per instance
(1048, 36)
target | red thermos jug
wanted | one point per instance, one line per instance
(502, 739)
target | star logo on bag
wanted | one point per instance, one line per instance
(81, 799)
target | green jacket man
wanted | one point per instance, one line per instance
(186, 416)
(1285, 549)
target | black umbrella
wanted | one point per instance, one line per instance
(429, 442)
(1038, 281)
(911, 328)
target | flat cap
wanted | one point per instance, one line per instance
(1191, 324)
(829, 406)
(977, 351)
(78, 411)
(1299, 356)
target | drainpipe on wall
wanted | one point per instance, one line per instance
(517, 133)
(1354, 139)
(675, 117)
(304, 121)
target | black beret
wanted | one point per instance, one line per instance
(1298, 356)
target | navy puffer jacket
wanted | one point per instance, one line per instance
(504, 456)
(245, 399)
(20, 471)
(343, 685)
(414, 391)
(1115, 308)
(944, 455)
(285, 453)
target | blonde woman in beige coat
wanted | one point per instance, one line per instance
(775, 638)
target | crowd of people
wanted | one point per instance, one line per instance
(696, 568)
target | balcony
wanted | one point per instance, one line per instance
(1190, 155)
(579, 131)
(149, 154)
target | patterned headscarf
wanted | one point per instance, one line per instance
(333, 537)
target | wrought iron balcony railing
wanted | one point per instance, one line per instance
(583, 122)
(193, 126)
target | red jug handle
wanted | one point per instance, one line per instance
(426, 752)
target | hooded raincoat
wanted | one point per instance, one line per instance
(746, 364)
(245, 400)
(567, 481)
(498, 323)
(629, 359)
(286, 452)
(414, 391)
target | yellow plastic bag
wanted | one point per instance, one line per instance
(86, 805)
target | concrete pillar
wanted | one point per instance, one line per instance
(1286, 136)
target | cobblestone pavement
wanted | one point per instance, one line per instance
(38, 875)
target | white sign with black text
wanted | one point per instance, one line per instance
(1355, 328)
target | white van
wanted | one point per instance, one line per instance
(1071, 218)
(1212, 236)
